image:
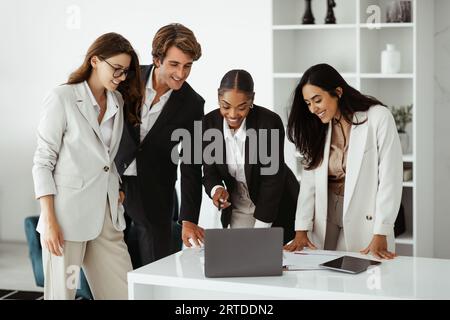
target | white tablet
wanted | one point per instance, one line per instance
(349, 264)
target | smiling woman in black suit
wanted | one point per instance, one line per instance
(250, 190)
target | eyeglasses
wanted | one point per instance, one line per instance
(118, 72)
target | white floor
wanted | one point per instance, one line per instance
(15, 267)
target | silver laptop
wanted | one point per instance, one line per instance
(243, 252)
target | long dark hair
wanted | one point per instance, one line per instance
(305, 129)
(132, 89)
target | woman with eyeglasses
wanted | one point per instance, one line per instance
(75, 178)
(246, 175)
(352, 178)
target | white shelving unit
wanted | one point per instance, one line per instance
(354, 48)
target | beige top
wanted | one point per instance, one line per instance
(338, 156)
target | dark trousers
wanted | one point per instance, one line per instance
(146, 241)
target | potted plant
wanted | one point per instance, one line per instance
(402, 116)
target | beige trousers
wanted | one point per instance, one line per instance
(334, 236)
(105, 262)
(243, 207)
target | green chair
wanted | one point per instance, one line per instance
(35, 253)
(84, 292)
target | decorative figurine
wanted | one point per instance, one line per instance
(398, 11)
(308, 17)
(330, 18)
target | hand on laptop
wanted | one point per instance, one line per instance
(192, 234)
(220, 198)
(300, 241)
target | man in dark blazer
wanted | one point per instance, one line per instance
(145, 159)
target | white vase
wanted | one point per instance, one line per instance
(390, 59)
(404, 141)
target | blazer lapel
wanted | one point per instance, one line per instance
(86, 108)
(117, 132)
(175, 101)
(321, 178)
(136, 130)
(145, 73)
(250, 159)
(222, 166)
(357, 143)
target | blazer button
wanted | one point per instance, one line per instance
(140, 149)
(106, 168)
(368, 217)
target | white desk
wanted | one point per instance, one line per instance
(181, 276)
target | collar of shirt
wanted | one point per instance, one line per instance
(235, 150)
(111, 103)
(151, 94)
(239, 134)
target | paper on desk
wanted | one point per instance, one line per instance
(307, 259)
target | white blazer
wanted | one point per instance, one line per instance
(72, 163)
(373, 184)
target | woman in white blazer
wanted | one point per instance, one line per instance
(81, 222)
(351, 184)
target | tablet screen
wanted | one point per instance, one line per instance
(349, 264)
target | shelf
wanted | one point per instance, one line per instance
(289, 44)
(373, 43)
(298, 75)
(408, 158)
(387, 76)
(408, 184)
(291, 12)
(405, 238)
(391, 91)
(386, 25)
(354, 47)
(313, 26)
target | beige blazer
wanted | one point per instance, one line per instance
(373, 184)
(72, 163)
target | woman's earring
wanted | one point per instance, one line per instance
(251, 107)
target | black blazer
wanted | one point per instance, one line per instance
(156, 172)
(275, 196)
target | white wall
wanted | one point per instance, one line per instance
(40, 49)
(442, 126)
